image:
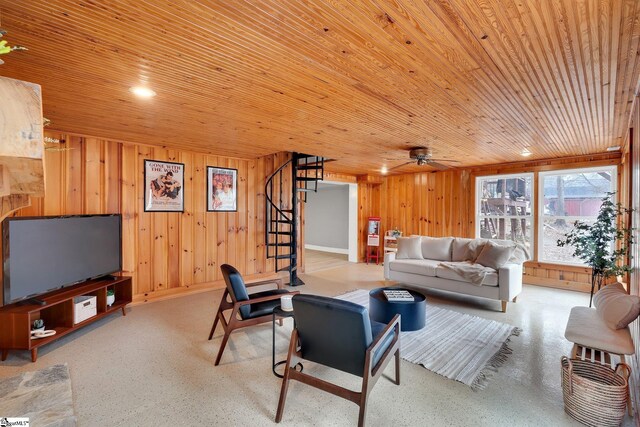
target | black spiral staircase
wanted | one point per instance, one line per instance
(282, 216)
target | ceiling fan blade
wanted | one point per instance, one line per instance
(438, 166)
(445, 160)
(399, 166)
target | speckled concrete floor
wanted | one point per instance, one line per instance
(155, 367)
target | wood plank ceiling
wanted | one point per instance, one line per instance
(358, 81)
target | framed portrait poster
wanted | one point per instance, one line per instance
(222, 186)
(163, 186)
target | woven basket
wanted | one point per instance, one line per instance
(594, 394)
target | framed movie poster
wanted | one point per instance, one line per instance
(163, 186)
(222, 186)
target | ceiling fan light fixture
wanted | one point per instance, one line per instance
(525, 152)
(142, 92)
(384, 170)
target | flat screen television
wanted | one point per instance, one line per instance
(41, 254)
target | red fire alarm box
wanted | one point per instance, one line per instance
(373, 239)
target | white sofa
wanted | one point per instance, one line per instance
(503, 284)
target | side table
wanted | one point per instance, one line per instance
(412, 313)
(279, 312)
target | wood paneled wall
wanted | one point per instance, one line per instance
(442, 204)
(429, 204)
(166, 253)
(632, 179)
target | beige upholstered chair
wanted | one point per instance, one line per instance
(604, 329)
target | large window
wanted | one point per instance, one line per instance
(567, 196)
(504, 205)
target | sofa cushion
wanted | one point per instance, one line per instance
(585, 327)
(466, 249)
(424, 267)
(409, 248)
(490, 279)
(494, 255)
(615, 307)
(437, 248)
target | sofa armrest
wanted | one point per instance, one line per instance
(388, 257)
(510, 281)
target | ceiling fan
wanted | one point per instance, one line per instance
(424, 156)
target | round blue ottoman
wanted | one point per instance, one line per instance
(413, 313)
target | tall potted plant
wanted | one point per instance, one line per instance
(604, 246)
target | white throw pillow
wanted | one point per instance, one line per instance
(466, 249)
(474, 248)
(608, 289)
(459, 249)
(438, 249)
(409, 248)
(494, 255)
(615, 307)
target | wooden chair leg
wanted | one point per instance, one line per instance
(283, 394)
(363, 406)
(398, 367)
(514, 299)
(629, 403)
(504, 306)
(574, 351)
(285, 379)
(215, 323)
(223, 344)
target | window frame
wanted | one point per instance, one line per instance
(613, 169)
(477, 214)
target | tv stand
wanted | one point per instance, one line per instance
(58, 313)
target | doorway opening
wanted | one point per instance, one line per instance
(331, 226)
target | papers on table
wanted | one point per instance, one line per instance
(397, 295)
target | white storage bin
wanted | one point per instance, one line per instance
(85, 306)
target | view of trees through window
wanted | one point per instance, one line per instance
(567, 197)
(505, 208)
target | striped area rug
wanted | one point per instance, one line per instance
(455, 345)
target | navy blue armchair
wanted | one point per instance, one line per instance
(246, 309)
(340, 335)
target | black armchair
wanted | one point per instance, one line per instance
(339, 334)
(247, 309)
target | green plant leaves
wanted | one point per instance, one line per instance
(603, 246)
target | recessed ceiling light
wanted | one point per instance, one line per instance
(526, 153)
(142, 92)
(616, 148)
(384, 170)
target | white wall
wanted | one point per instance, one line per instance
(327, 218)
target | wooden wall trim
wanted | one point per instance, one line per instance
(592, 160)
(166, 294)
(339, 177)
(194, 150)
